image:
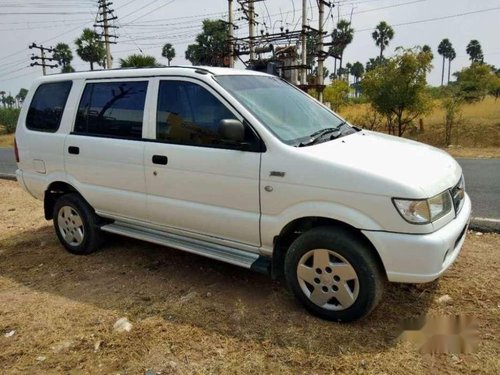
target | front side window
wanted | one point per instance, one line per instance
(293, 116)
(189, 114)
(47, 106)
(113, 109)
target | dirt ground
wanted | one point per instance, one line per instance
(194, 315)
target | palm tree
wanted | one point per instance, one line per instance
(139, 61)
(90, 48)
(475, 51)
(444, 49)
(382, 35)
(342, 36)
(168, 52)
(2, 94)
(451, 56)
(357, 71)
(63, 55)
(427, 49)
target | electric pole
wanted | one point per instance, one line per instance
(321, 78)
(104, 16)
(231, 33)
(251, 28)
(304, 43)
(43, 58)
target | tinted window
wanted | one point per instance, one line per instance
(189, 114)
(47, 106)
(112, 109)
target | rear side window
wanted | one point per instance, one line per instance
(113, 109)
(47, 106)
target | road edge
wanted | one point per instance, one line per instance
(8, 176)
(482, 224)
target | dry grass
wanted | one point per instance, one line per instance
(478, 129)
(236, 321)
(6, 140)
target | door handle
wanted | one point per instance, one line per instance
(74, 150)
(160, 159)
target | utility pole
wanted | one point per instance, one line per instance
(103, 18)
(251, 29)
(43, 58)
(231, 33)
(304, 43)
(321, 78)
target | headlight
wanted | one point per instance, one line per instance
(424, 211)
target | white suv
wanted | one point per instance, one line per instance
(245, 168)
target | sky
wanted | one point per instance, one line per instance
(145, 25)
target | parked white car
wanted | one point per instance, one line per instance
(245, 168)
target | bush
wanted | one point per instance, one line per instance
(337, 94)
(8, 119)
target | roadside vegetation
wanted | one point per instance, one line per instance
(388, 93)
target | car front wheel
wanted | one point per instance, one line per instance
(334, 274)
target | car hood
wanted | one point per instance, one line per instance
(395, 165)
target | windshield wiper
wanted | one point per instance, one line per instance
(317, 136)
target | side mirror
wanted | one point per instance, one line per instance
(232, 130)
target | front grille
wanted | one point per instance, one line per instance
(458, 195)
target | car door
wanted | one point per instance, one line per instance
(195, 182)
(104, 155)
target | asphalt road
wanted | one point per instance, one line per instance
(482, 182)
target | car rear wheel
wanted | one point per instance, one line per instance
(76, 225)
(334, 274)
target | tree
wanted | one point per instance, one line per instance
(90, 48)
(64, 56)
(495, 86)
(427, 49)
(10, 101)
(21, 96)
(211, 47)
(139, 61)
(474, 82)
(475, 52)
(374, 62)
(397, 89)
(357, 71)
(382, 35)
(2, 94)
(168, 52)
(444, 49)
(451, 56)
(342, 36)
(451, 103)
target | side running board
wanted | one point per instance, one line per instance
(190, 245)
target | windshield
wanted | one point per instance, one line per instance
(289, 113)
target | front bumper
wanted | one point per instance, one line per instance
(420, 258)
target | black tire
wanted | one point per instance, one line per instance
(92, 235)
(348, 245)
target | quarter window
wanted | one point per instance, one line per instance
(113, 109)
(189, 114)
(47, 106)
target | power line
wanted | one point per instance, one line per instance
(435, 18)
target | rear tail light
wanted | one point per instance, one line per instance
(16, 151)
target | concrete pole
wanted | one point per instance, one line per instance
(106, 35)
(321, 79)
(231, 33)
(304, 42)
(251, 29)
(42, 52)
